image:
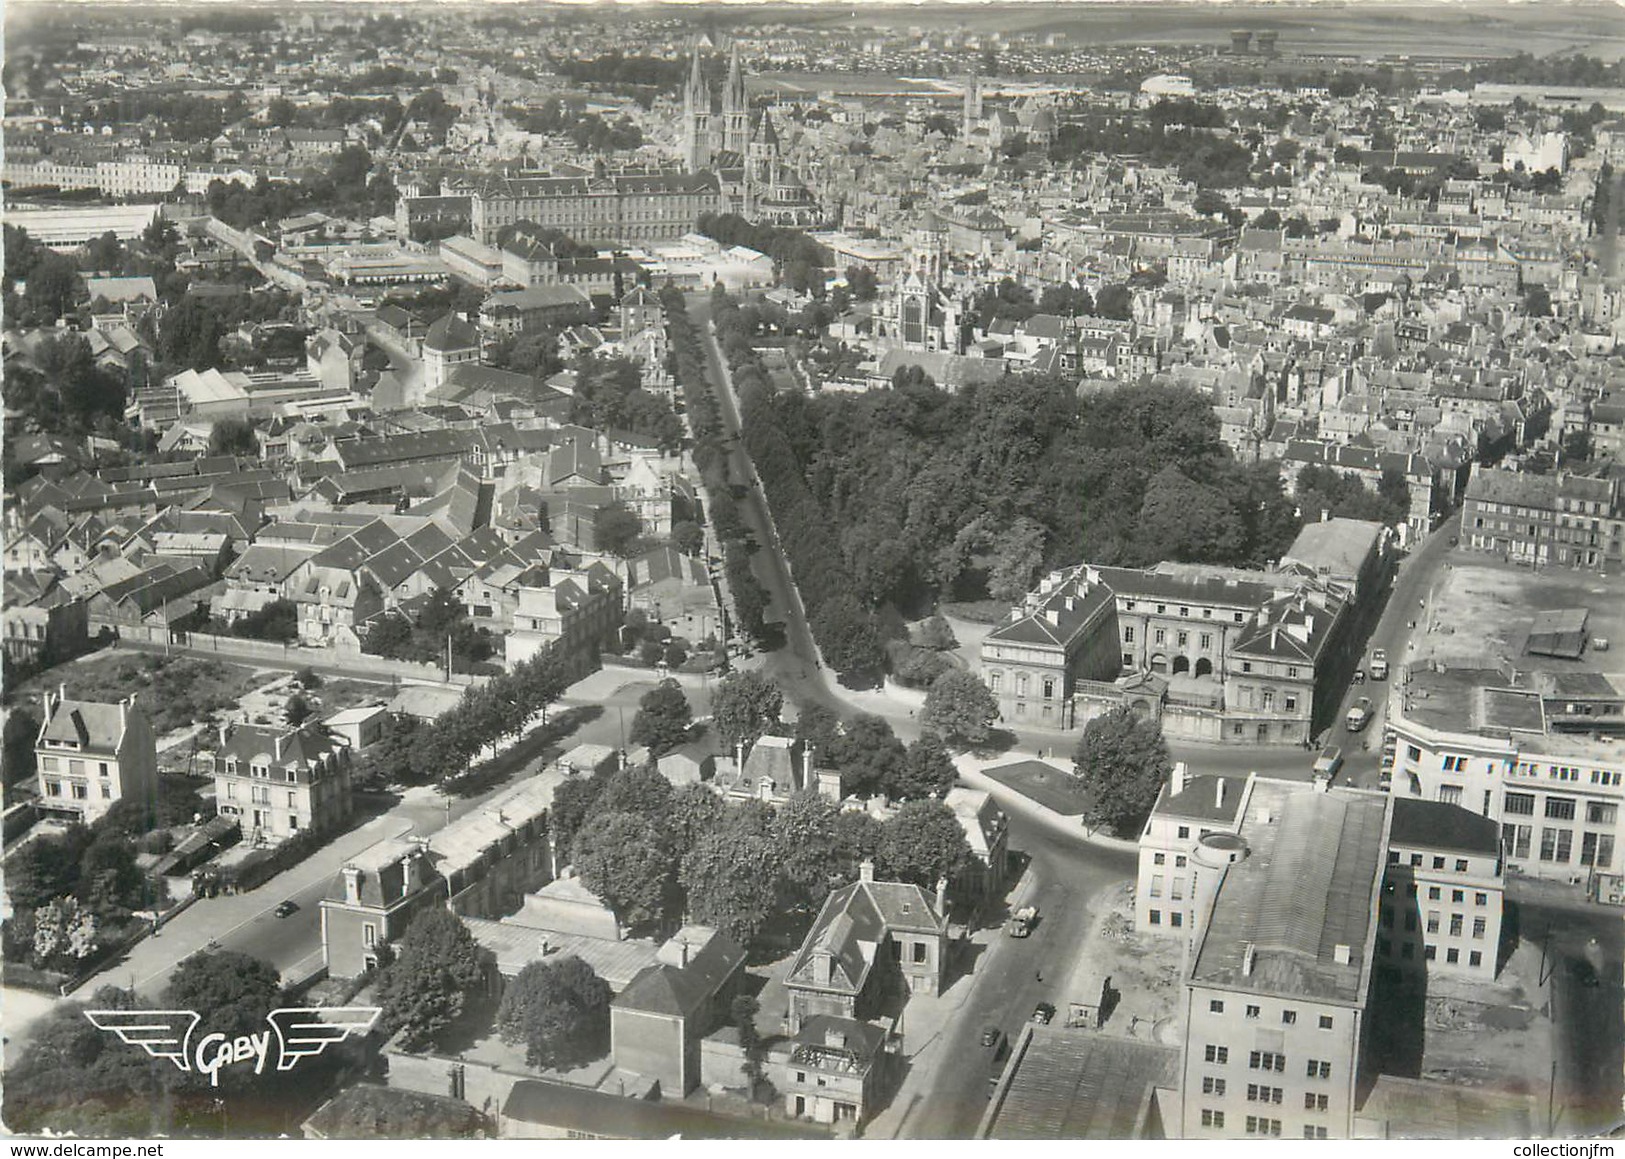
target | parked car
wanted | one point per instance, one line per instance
(286, 909)
(993, 1037)
(1379, 664)
(1043, 1013)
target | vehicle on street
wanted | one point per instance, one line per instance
(1453, 541)
(993, 1037)
(1379, 664)
(1329, 761)
(1043, 1013)
(1023, 921)
(1359, 676)
(1584, 973)
(286, 909)
(1360, 715)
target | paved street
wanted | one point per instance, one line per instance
(946, 1100)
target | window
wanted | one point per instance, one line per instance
(994, 679)
(1481, 899)
(1212, 1118)
(1176, 919)
(1159, 636)
(1520, 804)
(1601, 813)
(1179, 861)
(107, 792)
(1266, 1060)
(1262, 1094)
(1049, 688)
(1177, 893)
(1291, 703)
(1206, 641)
(1159, 858)
(1560, 808)
(1313, 1102)
(1156, 885)
(1215, 1006)
(919, 952)
(1128, 634)
(1431, 953)
(1325, 1021)
(1452, 956)
(1213, 1086)
(293, 800)
(1434, 893)
(1184, 832)
(1318, 1069)
(1416, 861)
(1433, 921)
(1314, 1132)
(1458, 896)
(1246, 665)
(1289, 1017)
(1515, 839)
(1257, 1126)
(369, 934)
(1438, 863)
(1449, 795)
(1461, 865)
(1252, 1012)
(1555, 844)
(1474, 958)
(1479, 927)
(1218, 1054)
(1156, 917)
(80, 792)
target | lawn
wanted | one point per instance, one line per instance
(175, 691)
(1046, 784)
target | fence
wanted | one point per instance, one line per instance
(350, 661)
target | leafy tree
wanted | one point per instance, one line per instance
(1186, 520)
(847, 635)
(805, 829)
(619, 530)
(298, 709)
(867, 755)
(695, 810)
(1018, 553)
(922, 842)
(21, 731)
(927, 771)
(438, 967)
(1122, 761)
(744, 706)
(65, 929)
(54, 288)
(731, 876)
(960, 706)
(687, 537)
(233, 437)
(819, 729)
(938, 635)
(1115, 301)
(663, 718)
(572, 804)
(559, 1011)
(622, 859)
(1537, 302)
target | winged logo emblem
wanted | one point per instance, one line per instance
(298, 1031)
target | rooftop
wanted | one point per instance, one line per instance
(1295, 916)
(1437, 825)
(1071, 1084)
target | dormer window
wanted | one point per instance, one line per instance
(260, 770)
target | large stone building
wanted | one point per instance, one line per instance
(281, 782)
(1442, 896)
(1562, 520)
(632, 208)
(91, 755)
(1217, 654)
(1282, 921)
(659, 1021)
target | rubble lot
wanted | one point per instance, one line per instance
(1490, 1034)
(1146, 972)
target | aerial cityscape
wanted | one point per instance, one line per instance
(780, 571)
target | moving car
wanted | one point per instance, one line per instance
(1043, 1013)
(1360, 715)
(993, 1037)
(1023, 921)
(1329, 761)
(1379, 664)
(286, 908)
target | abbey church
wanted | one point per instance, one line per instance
(719, 135)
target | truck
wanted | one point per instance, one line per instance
(1360, 715)
(1379, 664)
(1329, 761)
(1023, 921)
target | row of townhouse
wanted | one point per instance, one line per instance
(1562, 520)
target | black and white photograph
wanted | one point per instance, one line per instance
(753, 571)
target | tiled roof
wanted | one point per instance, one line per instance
(86, 723)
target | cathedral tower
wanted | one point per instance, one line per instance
(735, 109)
(696, 119)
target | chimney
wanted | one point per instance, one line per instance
(1053, 616)
(352, 885)
(1247, 953)
(835, 1037)
(739, 757)
(942, 896)
(1341, 954)
(866, 870)
(225, 733)
(682, 953)
(1176, 786)
(1218, 794)
(276, 744)
(1071, 604)
(1325, 515)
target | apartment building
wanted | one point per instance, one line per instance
(1562, 520)
(1442, 895)
(1505, 745)
(1280, 964)
(1188, 810)
(1057, 637)
(90, 755)
(281, 781)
